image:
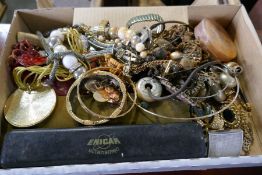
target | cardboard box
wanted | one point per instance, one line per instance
(233, 18)
(67, 3)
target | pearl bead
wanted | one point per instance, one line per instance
(58, 34)
(101, 38)
(69, 61)
(117, 41)
(122, 32)
(119, 44)
(140, 47)
(216, 89)
(228, 80)
(113, 32)
(175, 55)
(79, 72)
(220, 96)
(129, 34)
(135, 39)
(53, 41)
(143, 54)
(64, 30)
(60, 48)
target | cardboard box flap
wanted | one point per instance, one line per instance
(222, 13)
(7, 85)
(118, 16)
(46, 19)
(250, 57)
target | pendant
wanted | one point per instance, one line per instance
(26, 109)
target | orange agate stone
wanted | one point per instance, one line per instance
(216, 40)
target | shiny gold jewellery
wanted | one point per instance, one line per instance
(28, 108)
(106, 97)
(105, 71)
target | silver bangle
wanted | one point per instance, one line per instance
(148, 17)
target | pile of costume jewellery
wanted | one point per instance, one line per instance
(117, 65)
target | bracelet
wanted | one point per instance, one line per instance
(166, 22)
(71, 112)
(128, 81)
(143, 18)
(117, 111)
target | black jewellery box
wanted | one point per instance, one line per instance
(133, 143)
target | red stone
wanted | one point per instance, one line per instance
(26, 54)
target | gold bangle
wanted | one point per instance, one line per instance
(118, 110)
(123, 78)
(70, 109)
(97, 120)
(132, 100)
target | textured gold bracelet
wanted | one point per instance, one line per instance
(70, 108)
(118, 110)
(128, 80)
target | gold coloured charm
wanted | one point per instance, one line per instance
(25, 108)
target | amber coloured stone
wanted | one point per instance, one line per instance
(216, 40)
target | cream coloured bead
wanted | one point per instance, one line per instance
(143, 54)
(119, 44)
(140, 47)
(113, 32)
(101, 38)
(228, 80)
(58, 34)
(64, 30)
(176, 55)
(129, 34)
(122, 32)
(117, 41)
(135, 39)
(59, 48)
(69, 61)
(220, 96)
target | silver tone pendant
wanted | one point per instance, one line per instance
(148, 82)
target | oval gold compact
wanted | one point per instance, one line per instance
(25, 109)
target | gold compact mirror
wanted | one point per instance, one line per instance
(28, 108)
